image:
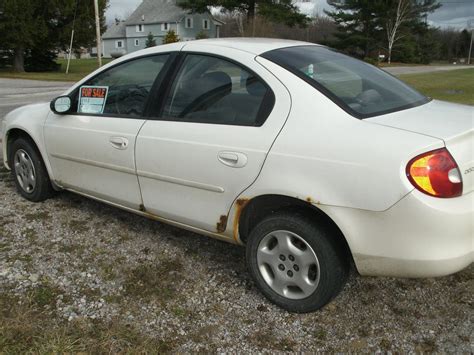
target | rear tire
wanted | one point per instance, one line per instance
(296, 263)
(28, 171)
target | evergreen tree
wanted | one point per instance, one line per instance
(202, 35)
(279, 11)
(39, 27)
(365, 26)
(150, 41)
(170, 37)
(359, 30)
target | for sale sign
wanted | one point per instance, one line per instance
(92, 99)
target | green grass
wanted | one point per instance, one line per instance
(26, 328)
(78, 69)
(454, 85)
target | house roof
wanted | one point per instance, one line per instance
(117, 30)
(156, 11)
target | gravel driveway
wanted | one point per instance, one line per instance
(77, 275)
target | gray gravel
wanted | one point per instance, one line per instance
(194, 293)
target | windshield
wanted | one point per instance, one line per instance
(359, 88)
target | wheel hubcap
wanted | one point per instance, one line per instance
(288, 264)
(25, 171)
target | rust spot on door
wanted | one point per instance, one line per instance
(222, 224)
(314, 202)
(240, 205)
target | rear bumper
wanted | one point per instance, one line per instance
(420, 236)
(399, 267)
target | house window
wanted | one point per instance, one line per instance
(189, 22)
(140, 28)
(137, 42)
(119, 44)
(165, 26)
(205, 24)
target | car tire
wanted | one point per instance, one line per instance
(318, 269)
(28, 171)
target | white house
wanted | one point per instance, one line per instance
(156, 17)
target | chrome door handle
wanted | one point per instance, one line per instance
(119, 142)
(233, 159)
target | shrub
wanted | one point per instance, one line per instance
(170, 37)
(202, 35)
(371, 61)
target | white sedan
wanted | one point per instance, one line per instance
(312, 159)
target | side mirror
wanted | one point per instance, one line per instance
(61, 105)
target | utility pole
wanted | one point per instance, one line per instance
(72, 38)
(470, 25)
(470, 47)
(70, 51)
(97, 30)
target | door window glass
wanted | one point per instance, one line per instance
(129, 85)
(212, 90)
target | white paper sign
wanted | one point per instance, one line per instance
(92, 99)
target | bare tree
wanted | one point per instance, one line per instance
(401, 15)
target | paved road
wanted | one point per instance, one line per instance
(424, 69)
(15, 93)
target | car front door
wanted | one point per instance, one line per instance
(92, 150)
(214, 128)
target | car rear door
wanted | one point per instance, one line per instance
(92, 150)
(215, 125)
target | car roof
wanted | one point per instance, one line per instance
(252, 45)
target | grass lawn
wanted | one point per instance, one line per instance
(453, 85)
(78, 69)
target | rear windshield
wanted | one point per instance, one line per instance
(359, 88)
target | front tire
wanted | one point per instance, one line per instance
(296, 263)
(28, 171)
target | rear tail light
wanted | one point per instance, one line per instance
(435, 173)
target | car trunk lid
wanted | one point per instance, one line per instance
(452, 123)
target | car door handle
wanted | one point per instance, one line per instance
(119, 142)
(233, 159)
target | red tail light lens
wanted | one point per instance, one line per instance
(435, 173)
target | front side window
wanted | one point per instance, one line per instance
(140, 28)
(213, 90)
(119, 44)
(361, 89)
(205, 24)
(124, 88)
(164, 27)
(137, 42)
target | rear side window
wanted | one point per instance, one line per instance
(213, 90)
(128, 85)
(361, 89)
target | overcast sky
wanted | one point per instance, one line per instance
(453, 13)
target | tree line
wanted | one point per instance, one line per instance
(32, 31)
(396, 29)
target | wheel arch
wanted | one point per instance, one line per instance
(251, 211)
(16, 132)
